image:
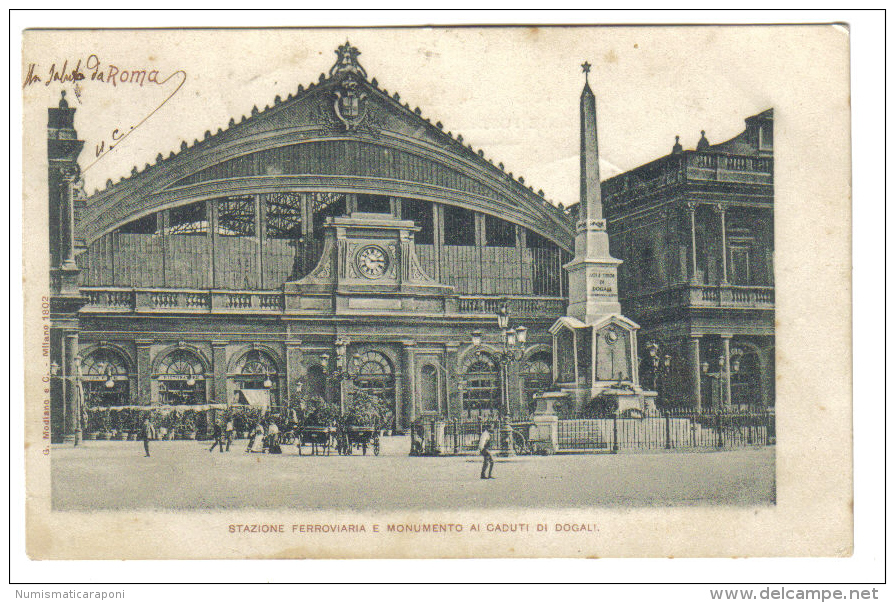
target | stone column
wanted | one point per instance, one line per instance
(409, 350)
(211, 216)
(144, 372)
(452, 385)
(294, 371)
(438, 218)
(261, 234)
(725, 340)
(722, 211)
(691, 212)
(514, 388)
(695, 373)
(67, 211)
(70, 370)
(219, 370)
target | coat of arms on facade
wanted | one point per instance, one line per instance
(350, 107)
(349, 104)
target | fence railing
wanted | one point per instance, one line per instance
(668, 430)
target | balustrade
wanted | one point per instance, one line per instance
(142, 300)
(517, 306)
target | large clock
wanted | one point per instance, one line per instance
(372, 261)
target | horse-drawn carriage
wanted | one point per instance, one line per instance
(358, 437)
(320, 439)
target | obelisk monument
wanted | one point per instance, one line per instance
(593, 282)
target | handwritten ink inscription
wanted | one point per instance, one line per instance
(94, 70)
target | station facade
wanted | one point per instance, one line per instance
(334, 241)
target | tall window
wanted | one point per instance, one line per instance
(258, 371)
(145, 225)
(421, 212)
(537, 376)
(499, 233)
(547, 260)
(481, 395)
(181, 378)
(284, 216)
(104, 378)
(459, 226)
(739, 268)
(188, 219)
(236, 217)
(374, 204)
(376, 377)
(326, 205)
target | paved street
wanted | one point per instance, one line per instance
(184, 475)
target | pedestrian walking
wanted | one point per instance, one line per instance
(218, 438)
(257, 432)
(147, 432)
(485, 451)
(273, 438)
(228, 433)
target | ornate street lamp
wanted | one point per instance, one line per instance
(343, 370)
(513, 351)
(110, 381)
(720, 376)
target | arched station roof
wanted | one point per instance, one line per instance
(343, 134)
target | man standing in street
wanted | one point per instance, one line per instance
(147, 434)
(228, 432)
(485, 450)
(218, 441)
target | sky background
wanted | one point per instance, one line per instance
(512, 92)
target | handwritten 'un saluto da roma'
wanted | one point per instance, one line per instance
(95, 71)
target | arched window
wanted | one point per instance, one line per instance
(181, 378)
(257, 371)
(104, 378)
(537, 376)
(481, 394)
(745, 381)
(376, 377)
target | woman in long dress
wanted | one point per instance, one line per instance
(256, 439)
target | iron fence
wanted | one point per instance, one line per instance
(662, 430)
(668, 430)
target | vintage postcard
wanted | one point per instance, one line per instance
(437, 292)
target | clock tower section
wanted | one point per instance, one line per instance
(369, 265)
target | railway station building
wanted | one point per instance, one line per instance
(337, 236)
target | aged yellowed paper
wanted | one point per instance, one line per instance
(299, 293)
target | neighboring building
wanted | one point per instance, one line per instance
(695, 230)
(335, 229)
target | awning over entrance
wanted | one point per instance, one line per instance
(258, 398)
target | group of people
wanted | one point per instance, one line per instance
(263, 439)
(222, 436)
(267, 440)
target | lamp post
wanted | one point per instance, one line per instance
(513, 350)
(722, 375)
(342, 371)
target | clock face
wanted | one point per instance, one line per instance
(372, 261)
